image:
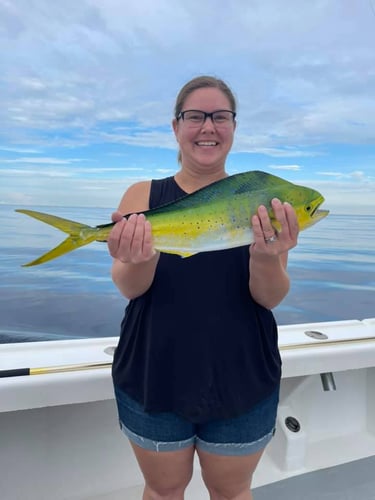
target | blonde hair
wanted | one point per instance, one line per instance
(201, 82)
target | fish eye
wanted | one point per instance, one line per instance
(308, 208)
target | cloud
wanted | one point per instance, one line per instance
(19, 150)
(141, 137)
(298, 74)
(285, 167)
(45, 160)
(356, 175)
(92, 84)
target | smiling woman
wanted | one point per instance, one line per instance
(173, 396)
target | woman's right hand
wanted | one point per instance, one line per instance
(130, 240)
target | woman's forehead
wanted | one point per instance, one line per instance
(207, 97)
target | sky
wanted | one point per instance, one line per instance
(87, 91)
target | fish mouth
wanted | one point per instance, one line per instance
(316, 212)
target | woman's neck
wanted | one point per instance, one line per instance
(190, 181)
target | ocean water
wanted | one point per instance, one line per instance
(332, 273)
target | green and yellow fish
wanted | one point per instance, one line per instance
(215, 217)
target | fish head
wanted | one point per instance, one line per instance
(310, 213)
(306, 203)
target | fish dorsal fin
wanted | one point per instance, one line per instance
(256, 180)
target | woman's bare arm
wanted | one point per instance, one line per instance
(130, 243)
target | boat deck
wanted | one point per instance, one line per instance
(354, 480)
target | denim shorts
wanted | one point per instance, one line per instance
(164, 431)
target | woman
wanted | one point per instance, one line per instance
(197, 368)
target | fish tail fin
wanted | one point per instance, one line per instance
(79, 235)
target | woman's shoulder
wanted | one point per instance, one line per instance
(144, 195)
(136, 197)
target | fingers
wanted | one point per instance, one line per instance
(292, 221)
(148, 244)
(117, 216)
(264, 228)
(131, 239)
(286, 216)
(266, 237)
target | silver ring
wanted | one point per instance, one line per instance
(272, 239)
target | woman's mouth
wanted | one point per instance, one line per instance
(207, 143)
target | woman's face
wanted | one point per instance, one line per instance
(207, 144)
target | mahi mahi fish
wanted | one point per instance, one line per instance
(215, 217)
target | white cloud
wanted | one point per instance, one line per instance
(19, 150)
(285, 167)
(79, 76)
(41, 160)
(139, 136)
(300, 72)
(356, 175)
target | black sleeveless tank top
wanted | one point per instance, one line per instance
(196, 343)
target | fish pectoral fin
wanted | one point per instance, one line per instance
(187, 254)
(179, 252)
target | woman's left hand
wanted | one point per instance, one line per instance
(267, 240)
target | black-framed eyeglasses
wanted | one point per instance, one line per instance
(195, 117)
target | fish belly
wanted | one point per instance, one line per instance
(217, 225)
(189, 244)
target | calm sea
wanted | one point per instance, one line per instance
(332, 272)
